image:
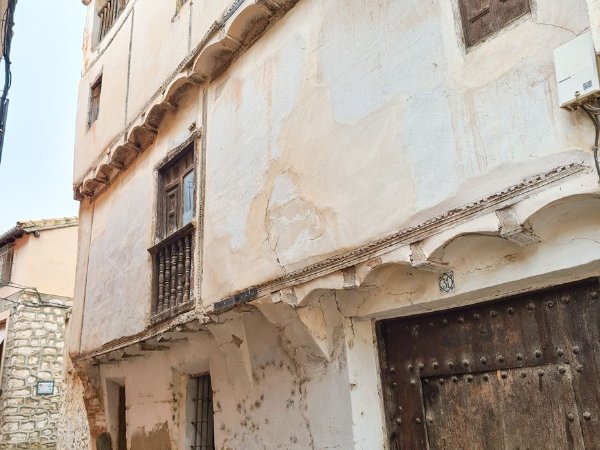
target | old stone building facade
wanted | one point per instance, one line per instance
(327, 224)
(37, 262)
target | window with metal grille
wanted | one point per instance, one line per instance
(108, 15)
(201, 411)
(94, 110)
(6, 262)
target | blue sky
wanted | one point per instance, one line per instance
(37, 160)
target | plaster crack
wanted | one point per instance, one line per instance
(562, 28)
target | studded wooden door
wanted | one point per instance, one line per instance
(520, 373)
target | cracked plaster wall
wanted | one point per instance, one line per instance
(277, 404)
(309, 153)
(323, 141)
(568, 251)
(117, 230)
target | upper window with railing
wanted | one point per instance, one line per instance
(108, 13)
(173, 254)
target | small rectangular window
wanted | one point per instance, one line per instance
(95, 91)
(6, 262)
(200, 412)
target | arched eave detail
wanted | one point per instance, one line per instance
(249, 22)
(243, 28)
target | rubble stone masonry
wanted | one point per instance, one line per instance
(34, 351)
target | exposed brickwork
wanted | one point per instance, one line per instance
(34, 351)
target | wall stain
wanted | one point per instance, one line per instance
(157, 439)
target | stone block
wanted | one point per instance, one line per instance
(23, 334)
(27, 426)
(40, 416)
(13, 401)
(20, 373)
(33, 436)
(7, 427)
(16, 437)
(16, 383)
(21, 393)
(50, 326)
(17, 360)
(25, 351)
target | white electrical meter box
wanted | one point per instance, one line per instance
(576, 71)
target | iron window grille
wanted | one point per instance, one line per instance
(94, 109)
(202, 421)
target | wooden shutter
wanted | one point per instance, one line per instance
(6, 260)
(173, 177)
(482, 18)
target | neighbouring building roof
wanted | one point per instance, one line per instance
(32, 226)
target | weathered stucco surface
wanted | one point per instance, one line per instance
(46, 262)
(343, 124)
(302, 142)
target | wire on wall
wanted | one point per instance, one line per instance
(592, 109)
(8, 23)
(41, 302)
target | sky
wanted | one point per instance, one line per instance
(37, 158)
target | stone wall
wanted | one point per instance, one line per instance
(34, 350)
(74, 431)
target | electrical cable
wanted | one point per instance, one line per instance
(7, 34)
(42, 303)
(593, 113)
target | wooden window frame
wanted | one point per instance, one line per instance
(7, 255)
(172, 295)
(94, 101)
(174, 158)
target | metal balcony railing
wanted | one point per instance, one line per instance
(108, 15)
(173, 260)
